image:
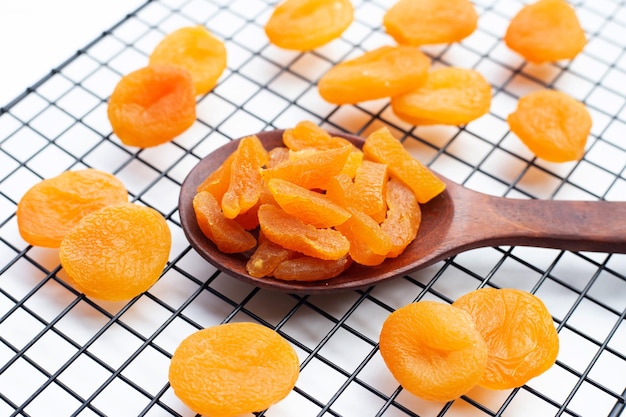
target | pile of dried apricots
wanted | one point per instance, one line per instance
(317, 203)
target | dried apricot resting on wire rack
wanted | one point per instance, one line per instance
(494, 338)
(308, 209)
(233, 368)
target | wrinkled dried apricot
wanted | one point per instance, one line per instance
(519, 331)
(309, 206)
(381, 146)
(234, 368)
(403, 217)
(308, 268)
(304, 25)
(245, 182)
(370, 183)
(152, 105)
(381, 73)
(195, 49)
(307, 134)
(553, 125)
(313, 170)
(425, 22)
(228, 235)
(547, 30)
(368, 244)
(266, 257)
(434, 350)
(294, 234)
(53, 206)
(450, 95)
(116, 252)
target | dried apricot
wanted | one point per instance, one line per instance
(368, 244)
(434, 350)
(547, 30)
(308, 268)
(245, 182)
(553, 125)
(370, 184)
(309, 206)
(233, 368)
(381, 146)
(304, 25)
(195, 49)
(425, 22)
(403, 217)
(294, 234)
(117, 252)
(450, 95)
(266, 257)
(53, 206)
(152, 105)
(381, 73)
(313, 170)
(217, 182)
(520, 333)
(228, 235)
(307, 134)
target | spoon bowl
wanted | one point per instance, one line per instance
(455, 221)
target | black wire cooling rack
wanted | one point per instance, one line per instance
(62, 353)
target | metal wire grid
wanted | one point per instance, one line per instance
(64, 354)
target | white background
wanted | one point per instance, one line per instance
(38, 35)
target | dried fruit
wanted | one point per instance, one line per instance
(553, 125)
(304, 25)
(381, 146)
(306, 135)
(195, 49)
(293, 234)
(434, 350)
(308, 268)
(234, 368)
(381, 73)
(403, 217)
(450, 95)
(228, 235)
(425, 22)
(519, 332)
(547, 30)
(52, 207)
(117, 252)
(152, 105)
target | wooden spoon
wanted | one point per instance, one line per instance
(457, 220)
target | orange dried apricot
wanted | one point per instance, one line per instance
(304, 25)
(381, 73)
(266, 257)
(217, 181)
(547, 30)
(307, 134)
(233, 369)
(553, 125)
(294, 234)
(370, 184)
(228, 235)
(368, 244)
(152, 105)
(313, 170)
(381, 146)
(53, 206)
(403, 217)
(195, 49)
(116, 252)
(245, 182)
(309, 206)
(450, 95)
(425, 22)
(519, 331)
(308, 268)
(434, 350)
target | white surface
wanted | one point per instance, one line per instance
(38, 35)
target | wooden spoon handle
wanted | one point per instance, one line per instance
(598, 226)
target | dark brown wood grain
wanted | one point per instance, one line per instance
(457, 220)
